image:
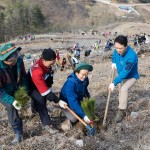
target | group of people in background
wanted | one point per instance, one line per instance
(38, 82)
(140, 39)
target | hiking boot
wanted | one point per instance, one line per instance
(18, 138)
(120, 115)
(50, 129)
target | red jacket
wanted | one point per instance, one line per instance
(57, 56)
(41, 77)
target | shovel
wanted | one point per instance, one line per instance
(91, 130)
(108, 98)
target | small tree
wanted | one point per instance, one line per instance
(89, 107)
(21, 96)
(37, 17)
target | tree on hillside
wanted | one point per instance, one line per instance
(37, 17)
(20, 18)
(144, 1)
(17, 20)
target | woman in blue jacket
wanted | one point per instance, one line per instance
(75, 89)
(125, 61)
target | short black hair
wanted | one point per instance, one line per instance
(121, 39)
(48, 54)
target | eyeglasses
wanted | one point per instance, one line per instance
(84, 75)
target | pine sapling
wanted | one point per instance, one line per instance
(21, 96)
(89, 107)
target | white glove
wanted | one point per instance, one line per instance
(16, 105)
(113, 66)
(62, 104)
(86, 119)
(111, 86)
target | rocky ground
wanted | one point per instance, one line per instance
(132, 134)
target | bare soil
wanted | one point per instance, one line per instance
(132, 134)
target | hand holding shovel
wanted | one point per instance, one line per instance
(91, 130)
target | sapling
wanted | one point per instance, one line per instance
(21, 96)
(89, 107)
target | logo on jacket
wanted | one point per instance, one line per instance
(121, 62)
(46, 76)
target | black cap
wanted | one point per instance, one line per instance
(48, 54)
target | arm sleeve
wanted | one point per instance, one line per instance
(114, 57)
(125, 71)
(87, 94)
(52, 97)
(24, 81)
(5, 97)
(72, 99)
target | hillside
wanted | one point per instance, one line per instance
(82, 14)
(84, 22)
(131, 134)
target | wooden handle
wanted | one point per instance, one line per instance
(106, 109)
(113, 74)
(73, 113)
(108, 99)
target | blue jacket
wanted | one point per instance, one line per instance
(127, 65)
(73, 92)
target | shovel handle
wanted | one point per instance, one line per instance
(108, 98)
(113, 75)
(73, 113)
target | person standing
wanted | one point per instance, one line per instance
(41, 80)
(125, 61)
(12, 76)
(57, 58)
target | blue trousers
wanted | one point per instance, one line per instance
(13, 117)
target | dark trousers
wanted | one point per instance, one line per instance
(13, 117)
(38, 104)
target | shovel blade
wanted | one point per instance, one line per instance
(91, 131)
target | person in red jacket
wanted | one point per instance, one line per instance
(41, 80)
(57, 58)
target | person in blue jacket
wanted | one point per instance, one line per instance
(75, 89)
(125, 61)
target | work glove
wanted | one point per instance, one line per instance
(113, 66)
(62, 104)
(111, 86)
(17, 105)
(86, 119)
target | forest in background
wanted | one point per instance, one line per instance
(19, 17)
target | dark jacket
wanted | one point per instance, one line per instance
(11, 78)
(73, 92)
